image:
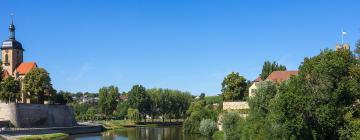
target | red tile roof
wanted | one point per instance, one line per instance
(258, 79)
(280, 76)
(25, 67)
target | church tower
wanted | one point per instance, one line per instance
(11, 52)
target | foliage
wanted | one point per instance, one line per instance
(218, 135)
(108, 99)
(230, 121)
(269, 67)
(207, 127)
(133, 114)
(139, 99)
(121, 110)
(357, 48)
(266, 90)
(169, 103)
(320, 103)
(10, 90)
(37, 84)
(197, 112)
(213, 99)
(62, 97)
(234, 87)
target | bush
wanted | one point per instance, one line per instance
(192, 123)
(230, 122)
(207, 127)
(218, 135)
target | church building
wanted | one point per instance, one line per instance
(12, 58)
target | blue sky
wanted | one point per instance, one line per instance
(189, 45)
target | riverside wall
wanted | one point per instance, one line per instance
(37, 115)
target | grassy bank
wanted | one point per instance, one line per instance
(44, 136)
(116, 124)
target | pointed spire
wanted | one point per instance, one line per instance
(12, 28)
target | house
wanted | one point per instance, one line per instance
(252, 88)
(275, 76)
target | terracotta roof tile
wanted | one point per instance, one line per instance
(280, 76)
(25, 67)
(258, 79)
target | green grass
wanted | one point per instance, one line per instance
(53, 136)
(218, 135)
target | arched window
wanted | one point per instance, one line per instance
(6, 59)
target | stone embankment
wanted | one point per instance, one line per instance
(21, 132)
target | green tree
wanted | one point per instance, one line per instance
(108, 99)
(139, 99)
(230, 121)
(357, 48)
(234, 87)
(37, 85)
(269, 67)
(10, 90)
(313, 104)
(121, 109)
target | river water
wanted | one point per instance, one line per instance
(140, 133)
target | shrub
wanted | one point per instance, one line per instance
(218, 135)
(192, 123)
(230, 121)
(207, 127)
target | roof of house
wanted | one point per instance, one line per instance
(280, 76)
(25, 67)
(258, 79)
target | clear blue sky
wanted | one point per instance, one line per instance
(189, 45)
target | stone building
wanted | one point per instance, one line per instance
(13, 60)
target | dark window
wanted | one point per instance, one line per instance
(6, 58)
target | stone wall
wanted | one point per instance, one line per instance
(38, 115)
(235, 105)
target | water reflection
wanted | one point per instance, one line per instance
(140, 133)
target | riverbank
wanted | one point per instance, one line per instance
(44, 136)
(119, 124)
(16, 133)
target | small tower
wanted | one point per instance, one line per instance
(11, 52)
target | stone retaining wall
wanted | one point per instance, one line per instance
(37, 115)
(235, 105)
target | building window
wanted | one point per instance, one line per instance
(6, 59)
(253, 91)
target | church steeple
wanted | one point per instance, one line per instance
(12, 28)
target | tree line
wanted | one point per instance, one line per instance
(140, 104)
(322, 102)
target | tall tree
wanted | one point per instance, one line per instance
(233, 87)
(10, 90)
(357, 48)
(37, 85)
(314, 105)
(108, 99)
(139, 99)
(269, 67)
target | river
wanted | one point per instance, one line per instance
(140, 133)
